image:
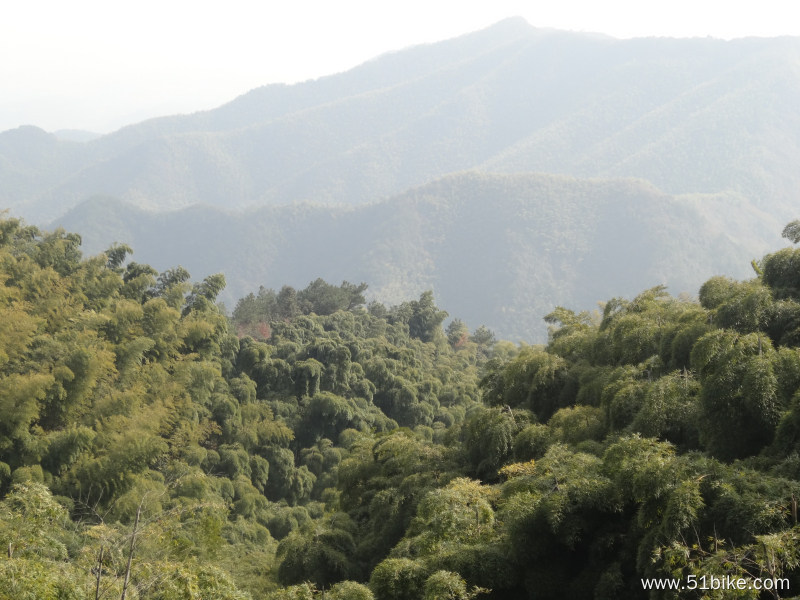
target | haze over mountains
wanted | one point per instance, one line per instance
(503, 169)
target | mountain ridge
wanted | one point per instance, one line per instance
(349, 176)
(692, 115)
(500, 250)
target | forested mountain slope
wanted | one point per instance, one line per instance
(319, 447)
(501, 250)
(695, 115)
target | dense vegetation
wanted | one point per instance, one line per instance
(151, 447)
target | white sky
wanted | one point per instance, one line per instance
(99, 64)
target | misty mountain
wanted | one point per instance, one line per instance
(689, 115)
(76, 135)
(500, 250)
(425, 169)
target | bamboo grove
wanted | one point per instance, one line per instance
(312, 444)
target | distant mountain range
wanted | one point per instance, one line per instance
(667, 161)
(500, 250)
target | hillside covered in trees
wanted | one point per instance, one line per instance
(501, 250)
(313, 443)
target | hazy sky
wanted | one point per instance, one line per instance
(97, 65)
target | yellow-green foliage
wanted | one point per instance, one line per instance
(354, 444)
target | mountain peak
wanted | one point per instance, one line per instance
(512, 24)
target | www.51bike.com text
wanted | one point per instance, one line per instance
(715, 582)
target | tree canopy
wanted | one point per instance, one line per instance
(313, 446)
